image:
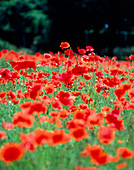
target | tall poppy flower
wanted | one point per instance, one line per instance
(64, 45)
(11, 152)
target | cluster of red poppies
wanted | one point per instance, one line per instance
(68, 92)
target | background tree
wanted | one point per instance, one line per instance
(24, 23)
(42, 25)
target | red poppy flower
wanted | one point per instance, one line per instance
(15, 101)
(75, 93)
(64, 45)
(115, 158)
(72, 108)
(69, 52)
(79, 114)
(127, 58)
(2, 94)
(11, 152)
(96, 119)
(83, 106)
(3, 135)
(41, 136)
(56, 83)
(116, 71)
(105, 109)
(43, 118)
(25, 105)
(49, 89)
(75, 123)
(114, 120)
(111, 81)
(82, 51)
(26, 64)
(98, 157)
(66, 77)
(56, 104)
(63, 114)
(121, 165)
(91, 127)
(106, 135)
(28, 141)
(5, 73)
(126, 86)
(131, 57)
(34, 90)
(23, 120)
(119, 92)
(8, 125)
(84, 97)
(65, 98)
(47, 56)
(0, 54)
(79, 133)
(36, 107)
(89, 48)
(87, 76)
(59, 137)
(131, 93)
(79, 70)
(11, 95)
(125, 152)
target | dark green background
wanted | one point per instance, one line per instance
(41, 25)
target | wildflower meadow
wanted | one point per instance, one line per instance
(66, 110)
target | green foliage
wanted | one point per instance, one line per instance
(64, 155)
(9, 46)
(24, 17)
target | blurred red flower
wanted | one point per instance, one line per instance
(106, 134)
(125, 152)
(11, 152)
(79, 133)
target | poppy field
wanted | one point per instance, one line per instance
(66, 110)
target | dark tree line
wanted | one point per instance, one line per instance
(44, 24)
